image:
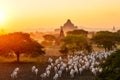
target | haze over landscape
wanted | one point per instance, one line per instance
(59, 39)
(32, 15)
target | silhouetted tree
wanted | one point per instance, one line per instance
(19, 43)
(111, 67)
(105, 39)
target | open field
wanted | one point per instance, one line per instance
(26, 74)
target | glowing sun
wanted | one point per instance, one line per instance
(2, 16)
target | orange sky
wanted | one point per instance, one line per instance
(28, 15)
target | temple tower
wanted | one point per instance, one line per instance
(61, 33)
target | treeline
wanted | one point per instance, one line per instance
(78, 40)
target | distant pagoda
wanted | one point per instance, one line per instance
(68, 26)
(61, 35)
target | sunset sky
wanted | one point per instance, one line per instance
(30, 15)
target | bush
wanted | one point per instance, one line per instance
(111, 67)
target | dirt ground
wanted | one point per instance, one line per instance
(26, 74)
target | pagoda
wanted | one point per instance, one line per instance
(61, 35)
(69, 26)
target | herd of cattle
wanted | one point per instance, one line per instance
(73, 65)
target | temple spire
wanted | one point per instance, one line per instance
(61, 33)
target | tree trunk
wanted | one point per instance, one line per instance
(18, 57)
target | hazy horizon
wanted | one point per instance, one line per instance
(28, 15)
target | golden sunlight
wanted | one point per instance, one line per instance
(2, 16)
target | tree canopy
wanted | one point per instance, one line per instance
(19, 43)
(118, 36)
(118, 31)
(105, 39)
(111, 67)
(78, 32)
(48, 40)
(72, 43)
(49, 37)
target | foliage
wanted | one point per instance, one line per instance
(74, 43)
(89, 48)
(49, 37)
(105, 39)
(19, 43)
(118, 31)
(48, 40)
(111, 67)
(118, 36)
(64, 50)
(46, 43)
(78, 32)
